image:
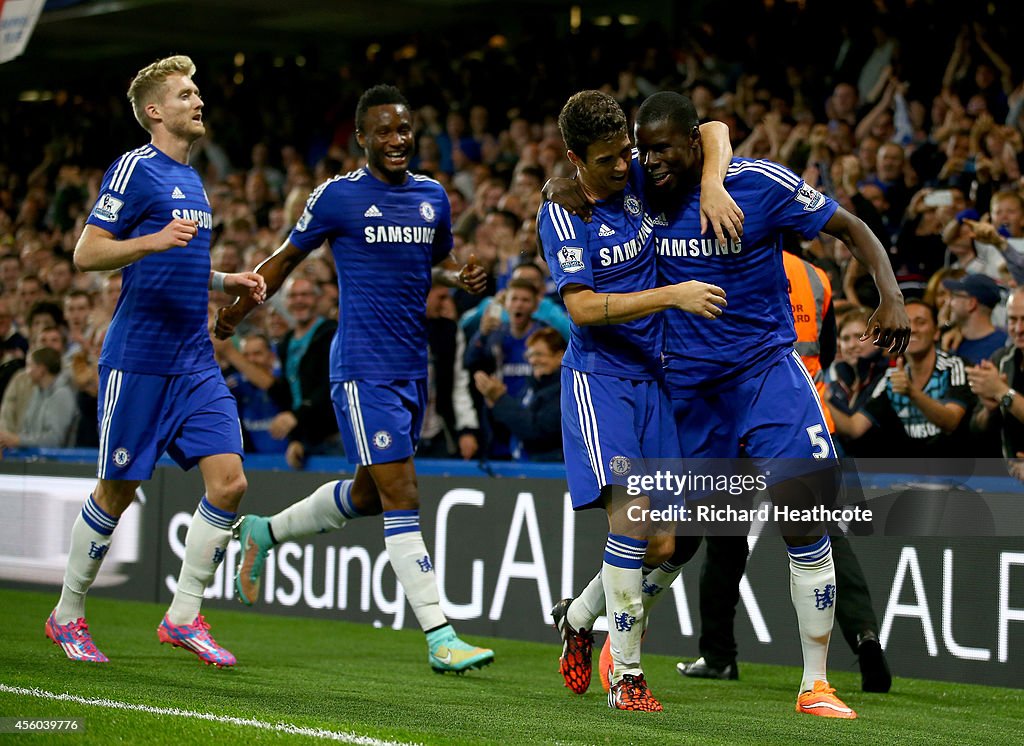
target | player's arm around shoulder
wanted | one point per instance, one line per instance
(718, 210)
(100, 250)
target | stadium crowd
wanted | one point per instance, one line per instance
(921, 135)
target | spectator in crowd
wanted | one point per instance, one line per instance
(963, 252)
(971, 302)
(77, 311)
(889, 177)
(859, 365)
(918, 408)
(18, 393)
(1005, 231)
(59, 276)
(304, 352)
(327, 302)
(499, 348)
(261, 167)
(919, 250)
(450, 422)
(535, 419)
(44, 314)
(103, 311)
(549, 311)
(938, 295)
(51, 413)
(499, 231)
(10, 271)
(85, 381)
(12, 343)
(250, 373)
(997, 383)
(30, 292)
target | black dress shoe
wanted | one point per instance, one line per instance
(874, 668)
(699, 669)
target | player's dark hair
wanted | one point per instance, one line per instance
(589, 117)
(671, 107)
(379, 95)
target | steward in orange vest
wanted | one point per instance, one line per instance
(810, 295)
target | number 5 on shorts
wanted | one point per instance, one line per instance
(814, 433)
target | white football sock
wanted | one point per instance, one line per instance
(655, 583)
(588, 606)
(412, 565)
(326, 509)
(205, 543)
(622, 577)
(90, 541)
(812, 586)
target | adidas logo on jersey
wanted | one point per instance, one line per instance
(661, 220)
(177, 194)
(604, 230)
(373, 212)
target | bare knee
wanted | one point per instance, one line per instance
(226, 490)
(114, 495)
(399, 492)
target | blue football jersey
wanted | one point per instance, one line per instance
(756, 328)
(613, 253)
(385, 240)
(160, 321)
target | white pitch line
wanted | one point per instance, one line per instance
(297, 730)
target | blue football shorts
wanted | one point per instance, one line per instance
(380, 421)
(612, 429)
(774, 416)
(143, 416)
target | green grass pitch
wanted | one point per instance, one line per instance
(354, 680)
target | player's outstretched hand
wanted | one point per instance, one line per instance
(568, 194)
(227, 318)
(241, 284)
(889, 327)
(718, 209)
(473, 277)
(699, 298)
(178, 232)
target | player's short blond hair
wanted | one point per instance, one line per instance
(147, 85)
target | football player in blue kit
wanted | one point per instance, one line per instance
(388, 228)
(160, 388)
(614, 409)
(738, 387)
